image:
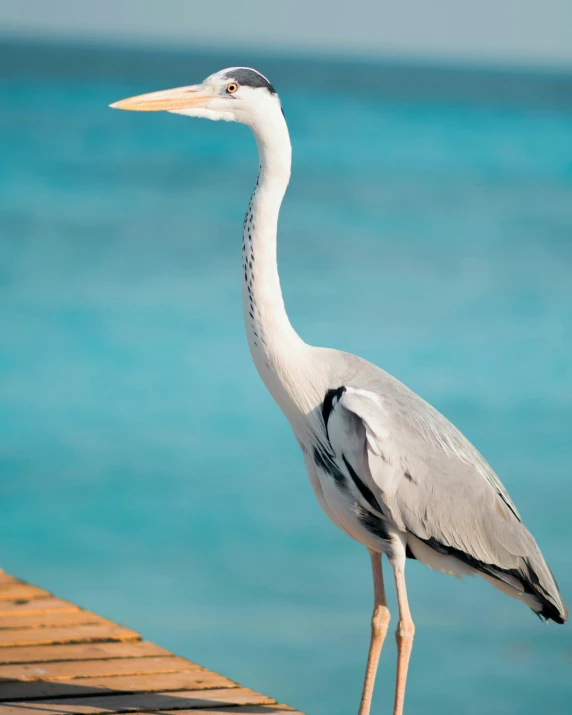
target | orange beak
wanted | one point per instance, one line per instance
(192, 97)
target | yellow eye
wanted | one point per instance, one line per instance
(232, 87)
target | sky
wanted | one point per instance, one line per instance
(529, 32)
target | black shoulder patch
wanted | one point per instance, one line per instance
(250, 78)
(328, 403)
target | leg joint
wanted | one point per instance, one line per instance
(380, 620)
(405, 630)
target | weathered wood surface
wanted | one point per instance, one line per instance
(149, 702)
(37, 605)
(58, 658)
(69, 634)
(63, 670)
(79, 651)
(44, 619)
(15, 591)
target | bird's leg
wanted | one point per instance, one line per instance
(379, 623)
(403, 635)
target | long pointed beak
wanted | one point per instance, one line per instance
(193, 97)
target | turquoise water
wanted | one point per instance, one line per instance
(146, 473)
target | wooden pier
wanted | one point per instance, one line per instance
(56, 657)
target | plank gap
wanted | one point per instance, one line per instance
(142, 702)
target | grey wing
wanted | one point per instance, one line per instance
(434, 485)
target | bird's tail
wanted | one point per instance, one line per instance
(537, 580)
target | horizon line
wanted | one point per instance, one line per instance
(413, 60)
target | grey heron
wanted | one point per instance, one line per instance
(386, 467)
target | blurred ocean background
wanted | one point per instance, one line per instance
(146, 473)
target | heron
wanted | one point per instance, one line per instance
(385, 466)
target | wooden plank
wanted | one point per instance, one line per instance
(93, 668)
(21, 591)
(240, 710)
(57, 658)
(37, 605)
(196, 679)
(138, 702)
(56, 618)
(76, 634)
(6, 578)
(80, 651)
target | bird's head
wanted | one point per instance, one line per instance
(236, 94)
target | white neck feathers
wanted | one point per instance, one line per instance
(277, 350)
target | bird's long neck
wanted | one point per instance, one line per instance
(277, 350)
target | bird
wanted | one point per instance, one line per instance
(387, 468)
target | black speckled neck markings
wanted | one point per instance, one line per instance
(248, 266)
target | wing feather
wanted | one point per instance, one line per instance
(431, 482)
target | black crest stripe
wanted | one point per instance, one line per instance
(250, 78)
